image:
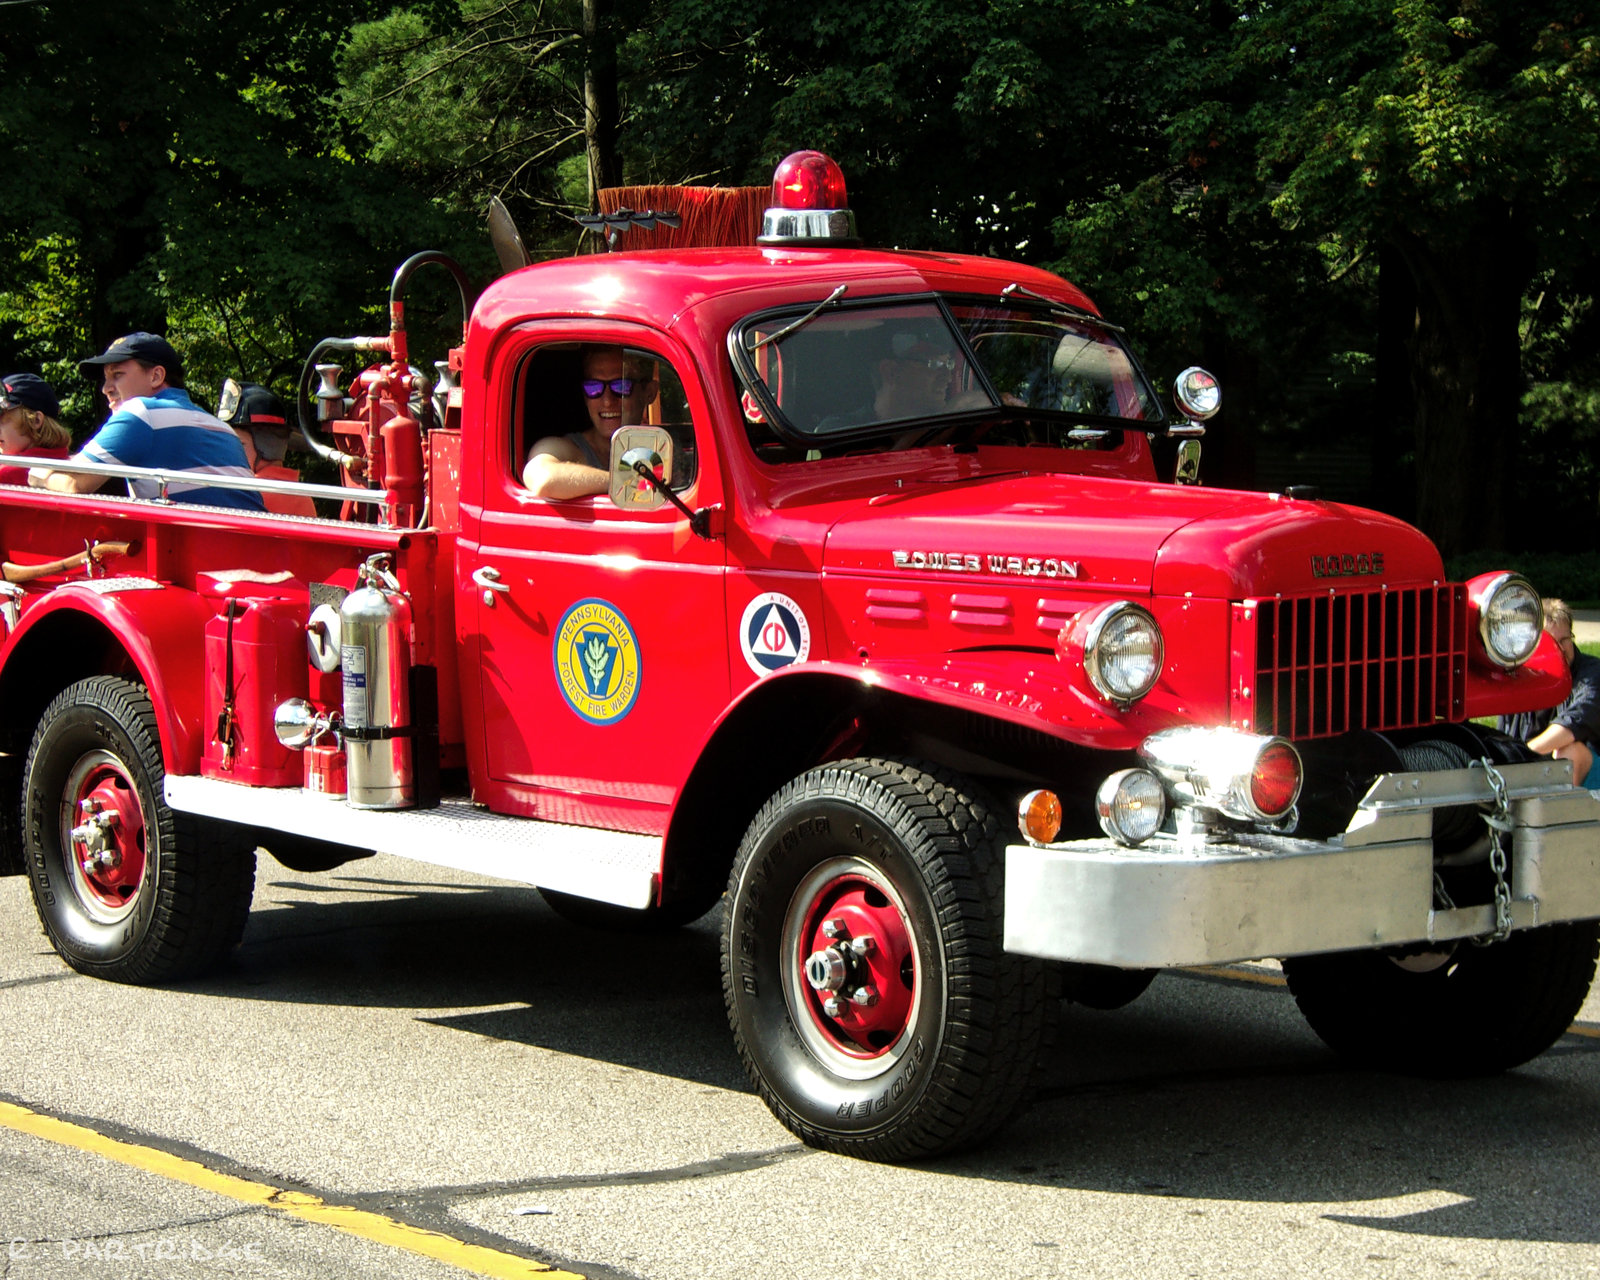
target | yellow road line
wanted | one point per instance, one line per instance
(1261, 977)
(1584, 1029)
(295, 1204)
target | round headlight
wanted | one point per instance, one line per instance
(1131, 806)
(1122, 652)
(1510, 619)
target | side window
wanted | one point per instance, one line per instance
(580, 393)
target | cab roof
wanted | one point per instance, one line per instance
(656, 287)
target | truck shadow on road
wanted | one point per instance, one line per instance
(1205, 1089)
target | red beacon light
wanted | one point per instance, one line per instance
(809, 204)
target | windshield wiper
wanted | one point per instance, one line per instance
(1065, 308)
(801, 322)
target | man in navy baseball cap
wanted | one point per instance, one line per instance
(149, 349)
(154, 424)
(28, 391)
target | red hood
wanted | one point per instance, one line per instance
(1128, 537)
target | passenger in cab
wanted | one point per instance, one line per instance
(617, 389)
(28, 425)
(153, 423)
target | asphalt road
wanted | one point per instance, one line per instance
(448, 1057)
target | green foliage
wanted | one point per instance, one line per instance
(1373, 218)
(1570, 575)
(192, 169)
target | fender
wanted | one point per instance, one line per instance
(161, 629)
(1025, 687)
(1542, 681)
(774, 729)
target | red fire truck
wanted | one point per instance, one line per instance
(887, 631)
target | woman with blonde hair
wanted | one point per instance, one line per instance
(28, 426)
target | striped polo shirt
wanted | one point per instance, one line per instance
(168, 431)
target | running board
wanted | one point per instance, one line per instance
(608, 866)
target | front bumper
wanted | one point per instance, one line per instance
(1170, 903)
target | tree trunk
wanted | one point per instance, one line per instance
(1466, 376)
(601, 110)
(1394, 436)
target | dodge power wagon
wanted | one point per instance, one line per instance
(887, 637)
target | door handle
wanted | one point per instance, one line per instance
(487, 577)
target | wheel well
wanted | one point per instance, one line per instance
(787, 724)
(63, 649)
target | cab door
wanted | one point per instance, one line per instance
(599, 633)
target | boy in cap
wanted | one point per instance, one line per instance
(153, 423)
(28, 426)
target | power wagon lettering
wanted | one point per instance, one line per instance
(966, 562)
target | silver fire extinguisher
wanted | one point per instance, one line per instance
(375, 653)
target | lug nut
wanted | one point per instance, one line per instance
(865, 945)
(866, 997)
(833, 929)
(832, 1007)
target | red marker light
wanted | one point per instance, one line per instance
(1275, 780)
(808, 180)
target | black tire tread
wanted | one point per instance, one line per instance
(1001, 1012)
(206, 872)
(1501, 1006)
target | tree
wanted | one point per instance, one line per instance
(190, 169)
(1458, 141)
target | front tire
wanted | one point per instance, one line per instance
(1461, 1011)
(871, 1000)
(126, 889)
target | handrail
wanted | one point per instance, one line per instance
(254, 484)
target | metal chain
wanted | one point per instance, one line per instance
(1500, 825)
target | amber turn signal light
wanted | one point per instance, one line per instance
(1039, 817)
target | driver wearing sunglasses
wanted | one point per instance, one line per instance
(616, 390)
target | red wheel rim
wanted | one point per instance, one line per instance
(847, 930)
(103, 836)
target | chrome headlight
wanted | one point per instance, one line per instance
(1122, 651)
(1131, 806)
(1510, 618)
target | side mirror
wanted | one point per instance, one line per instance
(649, 445)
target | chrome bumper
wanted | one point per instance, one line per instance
(1168, 903)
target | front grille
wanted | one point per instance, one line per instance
(1326, 664)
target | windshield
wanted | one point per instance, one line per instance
(1019, 372)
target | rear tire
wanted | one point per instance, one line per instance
(304, 854)
(1097, 986)
(942, 1053)
(126, 889)
(607, 917)
(1462, 1011)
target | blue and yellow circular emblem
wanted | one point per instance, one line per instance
(597, 662)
